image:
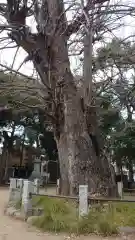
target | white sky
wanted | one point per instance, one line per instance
(7, 55)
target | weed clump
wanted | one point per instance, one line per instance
(62, 216)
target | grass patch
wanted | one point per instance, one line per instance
(59, 215)
(62, 216)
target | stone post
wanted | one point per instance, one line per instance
(83, 200)
(28, 189)
(13, 186)
(20, 187)
(36, 185)
(120, 189)
(58, 187)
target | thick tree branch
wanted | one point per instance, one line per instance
(76, 24)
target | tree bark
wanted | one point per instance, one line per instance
(131, 172)
(49, 53)
(22, 150)
(2, 163)
(9, 153)
(78, 161)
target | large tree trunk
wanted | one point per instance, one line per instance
(49, 52)
(78, 161)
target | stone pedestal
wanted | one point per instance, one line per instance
(36, 174)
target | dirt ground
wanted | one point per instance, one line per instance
(11, 229)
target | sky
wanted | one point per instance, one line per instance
(7, 55)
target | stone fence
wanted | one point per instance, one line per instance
(21, 191)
